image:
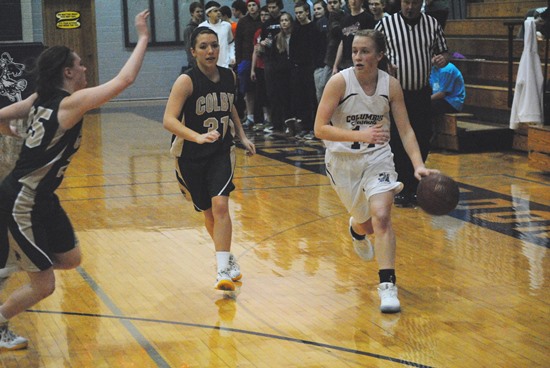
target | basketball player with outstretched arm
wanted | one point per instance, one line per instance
(30, 211)
(201, 115)
(353, 120)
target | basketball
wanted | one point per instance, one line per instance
(437, 194)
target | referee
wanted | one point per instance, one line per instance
(415, 41)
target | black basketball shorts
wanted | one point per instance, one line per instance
(200, 180)
(37, 230)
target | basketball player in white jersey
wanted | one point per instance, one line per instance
(204, 121)
(30, 212)
(353, 120)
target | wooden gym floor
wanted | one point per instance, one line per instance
(474, 285)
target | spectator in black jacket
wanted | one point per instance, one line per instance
(244, 48)
(358, 19)
(322, 73)
(302, 47)
(278, 54)
(334, 35)
(270, 29)
(196, 11)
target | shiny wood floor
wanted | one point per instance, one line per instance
(474, 285)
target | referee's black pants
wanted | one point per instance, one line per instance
(418, 104)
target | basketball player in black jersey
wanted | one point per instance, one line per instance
(31, 216)
(203, 120)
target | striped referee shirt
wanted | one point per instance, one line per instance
(411, 47)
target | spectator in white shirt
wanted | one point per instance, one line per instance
(223, 30)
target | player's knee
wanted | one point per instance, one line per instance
(382, 221)
(69, 260)
(221, 213)
(220, 209)
(73, 262)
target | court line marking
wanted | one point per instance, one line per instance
(235, 330)
(145, 344)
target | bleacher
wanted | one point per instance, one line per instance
(483, 38)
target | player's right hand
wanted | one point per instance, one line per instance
(209, 137)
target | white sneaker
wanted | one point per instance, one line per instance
(223, 281)
(388, 298)
(363, 248)
(234, 269)
(10, 341)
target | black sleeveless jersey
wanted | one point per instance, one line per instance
(48, 148)
(208, 108)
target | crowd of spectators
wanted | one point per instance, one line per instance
(283, 59)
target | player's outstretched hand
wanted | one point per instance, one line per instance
(141, 24)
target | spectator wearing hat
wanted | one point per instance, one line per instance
(223, 30)
(244, 48)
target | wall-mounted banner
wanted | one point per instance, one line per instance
(67, 19)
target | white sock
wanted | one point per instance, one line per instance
(223, 260)
(266, 116)
(3, 319)
(250, 117)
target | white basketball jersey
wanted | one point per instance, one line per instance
(358, 111)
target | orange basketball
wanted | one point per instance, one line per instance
(437, 194)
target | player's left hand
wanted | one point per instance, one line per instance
(376, 134)
(420, 172)
(249, 146)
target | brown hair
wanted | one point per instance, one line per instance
(378, 38)
(280, 39)
(49, 69)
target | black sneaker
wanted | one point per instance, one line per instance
(403, 201)
(291, 125)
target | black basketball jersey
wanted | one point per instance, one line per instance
(48, 148)
(208, 108)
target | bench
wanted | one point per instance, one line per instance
(539, 147)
